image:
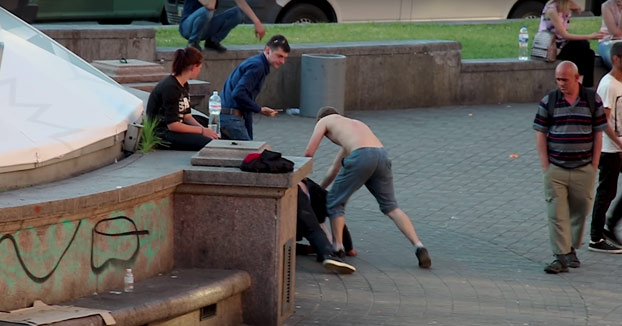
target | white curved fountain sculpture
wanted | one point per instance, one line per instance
(56, 111)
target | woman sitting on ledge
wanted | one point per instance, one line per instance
(169, 102)
(572, 47)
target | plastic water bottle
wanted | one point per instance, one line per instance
(128, 281)
(523, 44)
(214, 110)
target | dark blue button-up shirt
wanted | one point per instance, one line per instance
(243, 86)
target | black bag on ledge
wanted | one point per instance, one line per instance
(266, 162)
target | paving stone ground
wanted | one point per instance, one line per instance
(479, 211)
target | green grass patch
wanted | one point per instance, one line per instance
(479, 41)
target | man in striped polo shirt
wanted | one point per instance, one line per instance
(568, 140)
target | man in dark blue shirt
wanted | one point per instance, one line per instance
(243, 86)
(199, 23)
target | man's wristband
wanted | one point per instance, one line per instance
(202, 130)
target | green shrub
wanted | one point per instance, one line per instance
(149, 140)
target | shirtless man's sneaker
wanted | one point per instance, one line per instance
(423, 257)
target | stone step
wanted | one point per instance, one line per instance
(144, 75)
(189, 297)
(126, 71)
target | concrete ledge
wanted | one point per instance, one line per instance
(170, 213)
(503, 65)
(420, 68)
(494, 81)
(428, 73)
(91, 157)
(101, 42)
(118, 183)
(163, 298)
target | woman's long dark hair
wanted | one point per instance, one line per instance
(185, 58)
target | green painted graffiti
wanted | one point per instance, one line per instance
(114, 239)
(31, 275)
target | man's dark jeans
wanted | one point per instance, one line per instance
(610, 167)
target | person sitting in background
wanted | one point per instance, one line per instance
(612, 27)
(198, 23)
(572, 47)
(169, 103)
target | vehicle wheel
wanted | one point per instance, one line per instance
(304, 13)
(164, 18)
(528, 9)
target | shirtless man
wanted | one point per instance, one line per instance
(365, 162)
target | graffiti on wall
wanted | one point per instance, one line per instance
(18, 254)
(97, 268)
(78, 257)
(133, 233)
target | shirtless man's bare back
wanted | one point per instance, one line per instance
(365, 162)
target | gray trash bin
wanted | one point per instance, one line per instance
(323, 82)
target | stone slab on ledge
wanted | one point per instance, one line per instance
(131, 70)
(227, 152)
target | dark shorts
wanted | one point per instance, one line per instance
(367, 166)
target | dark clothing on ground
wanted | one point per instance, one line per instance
(169, 102)
(311, 212)
(241, 90)
(580, 53)
(610, 168)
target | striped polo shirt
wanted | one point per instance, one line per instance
(570, 129)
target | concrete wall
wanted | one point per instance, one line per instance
(193, 216)
(374, 71)
(63, 258)
(101, 42)
(493, 81)
(379, 75)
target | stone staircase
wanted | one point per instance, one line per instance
(145, 75)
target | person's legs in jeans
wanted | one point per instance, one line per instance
(222, 24)
(603, 50)
(232, 127)
(616, 213)
(308, 227)
(196, 25)
(605, 192)
(317, 195)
